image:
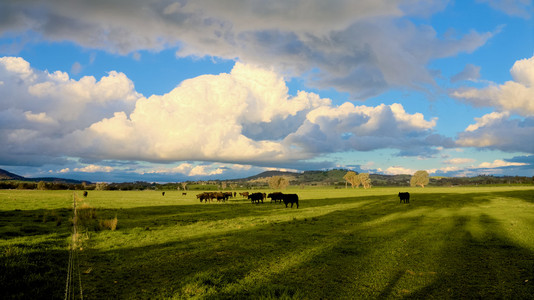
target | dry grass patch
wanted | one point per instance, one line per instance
(110, 224)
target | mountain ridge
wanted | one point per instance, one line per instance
(6, 175)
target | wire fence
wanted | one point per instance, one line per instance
(73, 267)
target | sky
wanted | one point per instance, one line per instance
(169, 91)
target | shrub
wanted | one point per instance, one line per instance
(109, 224)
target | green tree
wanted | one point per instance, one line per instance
(365, 180)
(352, 178)
(419, 178)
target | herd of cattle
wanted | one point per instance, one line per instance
(275, 197)
(259, 197)
(253, 197)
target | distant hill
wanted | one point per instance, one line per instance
(5, 175)
(334, 176)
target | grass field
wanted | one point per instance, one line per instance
(448, 243)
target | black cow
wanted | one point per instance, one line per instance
(228, 195)
(291, 198)
(404, 197)
(85, 193)
(204, 197)
(256, 197)
(163, 193)
(276, 196)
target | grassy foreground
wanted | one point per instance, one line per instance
(448, 243)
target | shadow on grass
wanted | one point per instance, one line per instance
(33, 253)
(488, 265)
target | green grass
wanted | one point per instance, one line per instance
(448, 243)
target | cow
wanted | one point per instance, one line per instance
(206, 196)
(221, 196)
(85, 193)
(276, 196)
(244, 194)
(163, 193)
(404, 197)
(256, 197)
(202, 197)
(184, 194)
(290, 198)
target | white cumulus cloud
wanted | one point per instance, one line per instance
(499, 164)
(39, 108)
(512, 96)
(397, 170)
(499, 131)
(459, 161)
(94, 168)
(245, 117)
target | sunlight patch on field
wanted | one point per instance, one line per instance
(516, 220)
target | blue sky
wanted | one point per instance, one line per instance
(181, 90)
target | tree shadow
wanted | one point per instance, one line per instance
(266, 258)
(490, 266)
(34, 253)
(354, 247)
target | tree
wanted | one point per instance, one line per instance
(184, 185)
(352, 178)
(278, 182)
(41, 185)
(101, 186)
(419, 178)
(365, 180)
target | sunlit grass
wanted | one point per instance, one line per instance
(447, 243)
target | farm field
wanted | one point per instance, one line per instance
(448, 243)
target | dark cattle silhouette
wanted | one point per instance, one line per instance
(85, 193)
(163, 193)
(184, 194)
(204, 197)
(404, 197)
(290, 198)
(276, 196)
(221, 196)
(256, 197)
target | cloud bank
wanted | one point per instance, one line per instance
(500, 130)
(512, 96)
(361, 47)
(245, 116)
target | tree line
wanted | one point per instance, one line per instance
(326, 178)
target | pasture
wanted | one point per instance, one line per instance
(447, 243)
